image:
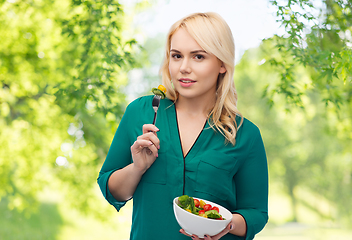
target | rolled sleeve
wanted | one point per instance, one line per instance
(255, 221)
(103, 184)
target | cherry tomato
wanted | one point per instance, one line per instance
(196, 202)
(215, 208)
(220, 218)
(201, 212)
(207, 207)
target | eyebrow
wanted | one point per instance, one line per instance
(193, 52)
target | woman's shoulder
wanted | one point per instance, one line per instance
(139, 107)
(249, 127)
(248, 134)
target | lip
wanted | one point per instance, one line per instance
(186, 84)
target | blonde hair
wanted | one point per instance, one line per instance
(213, 34)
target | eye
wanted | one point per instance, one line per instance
(199, 57)
(176, 56)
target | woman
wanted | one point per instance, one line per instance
(201, 145)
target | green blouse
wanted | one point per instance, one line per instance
(235, 177)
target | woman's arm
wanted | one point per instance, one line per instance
(239, 226)
(251, 182)
(119, 164)
(123, 182)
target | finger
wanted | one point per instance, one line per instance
(151, 137)
(152, 150)
(139, 144)
(188, 235)
(143, 145)
(149, 128)
(184, 233)
(195, 237)
(230, 226)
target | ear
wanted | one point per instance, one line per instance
(222, 68)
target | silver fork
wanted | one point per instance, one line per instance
(155, 103)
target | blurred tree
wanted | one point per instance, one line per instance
(302, 152)
(318, 36)
(62, 68)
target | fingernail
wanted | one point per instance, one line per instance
(158, 146)
(193, 237)
(156, 155)
(231, 227)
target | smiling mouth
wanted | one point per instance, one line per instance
(186, 80)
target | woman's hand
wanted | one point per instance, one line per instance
(207, 237)
(145, 149)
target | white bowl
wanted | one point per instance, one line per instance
(194, 224)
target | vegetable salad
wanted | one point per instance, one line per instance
(199, 207)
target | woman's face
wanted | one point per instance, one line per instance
(193, 71)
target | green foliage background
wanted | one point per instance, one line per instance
(312, 62)
(64, 69)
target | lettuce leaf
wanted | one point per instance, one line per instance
(212, 214)
(187, 202)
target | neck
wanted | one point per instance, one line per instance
(195, 106)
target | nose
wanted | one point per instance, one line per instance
(185, 66)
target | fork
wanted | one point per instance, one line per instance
(155, 104)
